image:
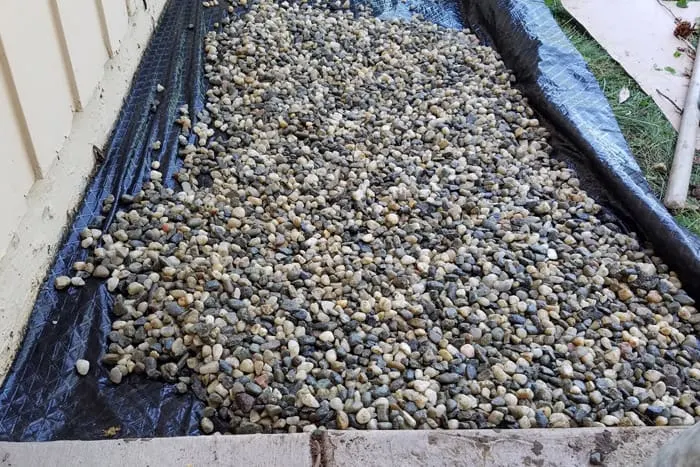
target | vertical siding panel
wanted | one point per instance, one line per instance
(115, 22)
(65, 55)
(81, 27)
(17, 174)
(33, 55)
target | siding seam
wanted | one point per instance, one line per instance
(104, 27)
(65, 53)
(20, 117)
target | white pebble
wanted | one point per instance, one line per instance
(326, 336)
(293, 347)
(363, 416)
(82, 367)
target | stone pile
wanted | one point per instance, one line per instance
(368, 231)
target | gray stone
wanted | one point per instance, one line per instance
(61, 282)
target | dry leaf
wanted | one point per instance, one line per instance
(659, 167)
(111, 431)
(624, 95)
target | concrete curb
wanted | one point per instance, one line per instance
(511, 448)
(243, 450)
(541, 448)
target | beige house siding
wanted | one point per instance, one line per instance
(17, 174)
(52, 59)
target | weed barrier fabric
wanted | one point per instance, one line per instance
(43, 398)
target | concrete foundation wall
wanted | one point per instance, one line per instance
(65, 67)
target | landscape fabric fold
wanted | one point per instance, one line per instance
(43, 398)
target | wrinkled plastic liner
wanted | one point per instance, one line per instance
(43, 398)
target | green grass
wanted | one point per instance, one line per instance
(649, 135)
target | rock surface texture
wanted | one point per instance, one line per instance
(368, 231)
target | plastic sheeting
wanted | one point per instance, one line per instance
(559, 85)
(43, 398)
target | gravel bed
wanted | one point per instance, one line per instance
(369, 232)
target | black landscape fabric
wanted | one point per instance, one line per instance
(43, 398)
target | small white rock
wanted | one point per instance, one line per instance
(77, 281)
(112, 283)
(115, 375)
(307, 399)
(293, 347)
(217, 351)
(384, 304)
(61, 282)
(363, 416)
(206, 425)
(247, 366)
(467, 350)
(135, 288)
(209, 368)
(82, 367)
(326, 336)
(421, 385)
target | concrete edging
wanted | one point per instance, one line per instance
(243, 450)
(503, 448)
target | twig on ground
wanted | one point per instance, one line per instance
(670, 100)
(660, 2)
(690, 46)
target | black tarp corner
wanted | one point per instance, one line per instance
(42, 397)
(559, 85)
